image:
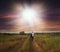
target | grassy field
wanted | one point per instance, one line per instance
(42, 42)
(12, 43)
(48, 42)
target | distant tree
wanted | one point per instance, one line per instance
(22, 33)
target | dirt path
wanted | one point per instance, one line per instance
(34, 47)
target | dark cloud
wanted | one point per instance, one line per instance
(53, 15)
(5, 23)
(6, 19)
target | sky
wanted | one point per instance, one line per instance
(10, 22)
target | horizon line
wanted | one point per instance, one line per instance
(34, 32)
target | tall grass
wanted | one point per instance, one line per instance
(48, 42)
(8, 42)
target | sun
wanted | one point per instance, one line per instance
(29, 14)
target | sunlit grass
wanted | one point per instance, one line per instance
(5, 38)
(8, 42)
(48, 42)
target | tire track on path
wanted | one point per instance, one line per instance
(19, 46)
(36, 47)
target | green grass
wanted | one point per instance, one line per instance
(48, 42)
(8, 42)
(5, 38)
